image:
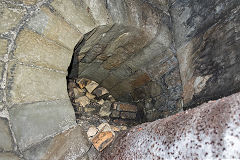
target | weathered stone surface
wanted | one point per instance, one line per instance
(3, 47)
(34, 49)
(78, 92)
(90, 96)
(128, 115)
(91, 86)
(10, 17)
(77, 14)
(83, 101)
(99, 12)
(29, 84)
(90, 72)
(83, 82)
(115, 114)
(30, 2)
(132, 41)
(55, 28)
(75, 145)
(202, 44)
(104, 137)
(1, 75)
(105, 109)
(71, 144)
(210, 131)
(100, 91)
(92, 131)
(41, 120)
(8, 156)
(6, 141)
(125, 107)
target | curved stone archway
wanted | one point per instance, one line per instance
(38, 37)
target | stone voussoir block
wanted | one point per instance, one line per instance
(29, 84)
(32, 48)
(41, 120)
(77, 14)
(54, 27)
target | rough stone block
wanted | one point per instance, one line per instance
(128, 115)
(100, 91)
(71, 144)
(6, 141)
(34, 122)
(8, 156)
(83, 101)
(102, 140)
(126, 107)
(3, 47)
(77, 14)
(32, 48)
(83, 82)
(105, 109)
(91, 86)
(132, 41)
(29, 84)
(55, 28)
(10, 17)
(115, 114)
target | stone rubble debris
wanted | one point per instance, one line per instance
(99, 113)
(103, 135)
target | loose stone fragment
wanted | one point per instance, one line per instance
(115, 114)
(90, 96)
(101, 102)
(104, 127)
(105, 110)
(110, 97)
(83, 82)
(115, 129)
(123, 128)
(78, 92)
(100, 91)
(102, 140)
(126, 107)
(92, 131)
(82, 101)
(104, 137)
(91, 86)
(128, 115)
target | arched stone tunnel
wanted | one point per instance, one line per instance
(162, 55)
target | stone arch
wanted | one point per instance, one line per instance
(41, 38)
(38, 37)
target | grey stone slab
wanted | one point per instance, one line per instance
(69, 145)
(95, 72)
(32, 123)
(6, 142)
(8, 156)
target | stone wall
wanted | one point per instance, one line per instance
(37, 40)
(134, 58)
(207, 42)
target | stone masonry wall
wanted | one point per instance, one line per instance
(207, 42)
(37, 39)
